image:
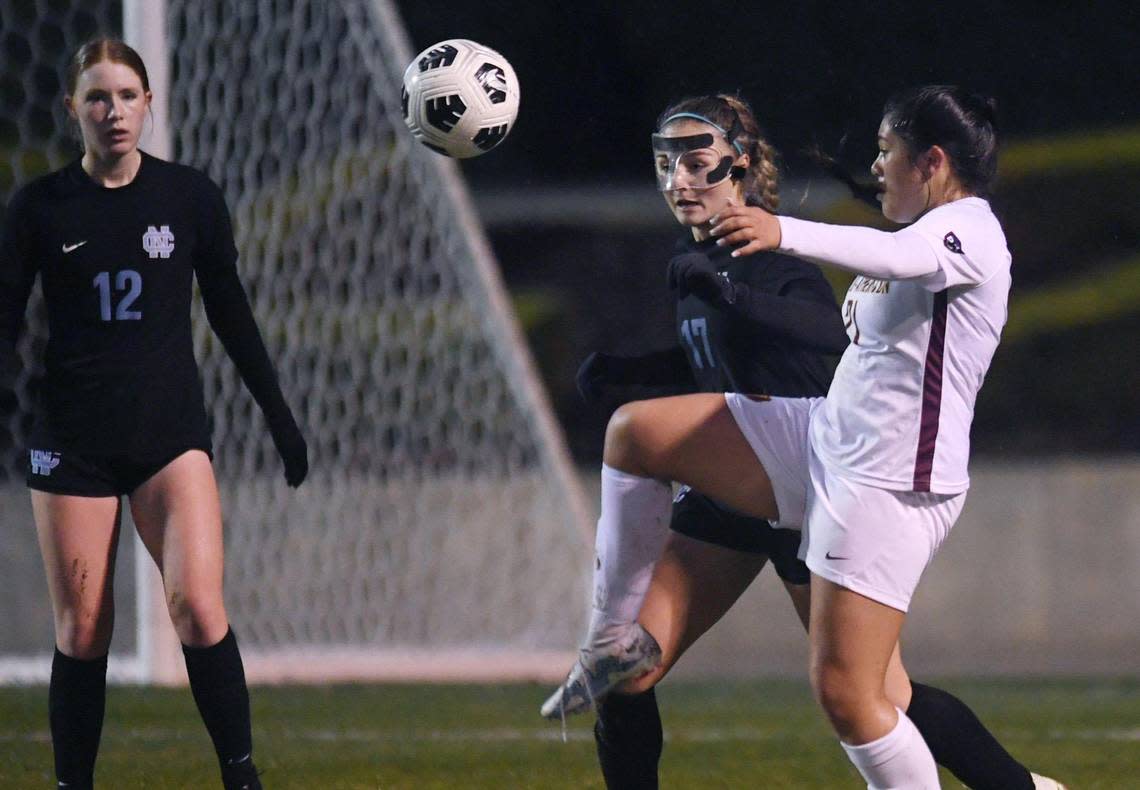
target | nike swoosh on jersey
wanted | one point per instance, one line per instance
(69, 247)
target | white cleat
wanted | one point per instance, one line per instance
(1045, 783)
(599, 668)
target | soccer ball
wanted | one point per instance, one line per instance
(460, 98)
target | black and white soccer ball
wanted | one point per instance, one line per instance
(460, 98)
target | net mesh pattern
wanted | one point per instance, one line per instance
(434, 515)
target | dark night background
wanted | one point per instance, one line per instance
(582, 236)
(595, 75)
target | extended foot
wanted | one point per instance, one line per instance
(600, 667)
(1045, 783)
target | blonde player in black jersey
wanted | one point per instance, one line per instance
(813, 461)
(117, 239)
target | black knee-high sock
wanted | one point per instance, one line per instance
(962, 744)
(76, 699)
(217, 681)
(628, 737)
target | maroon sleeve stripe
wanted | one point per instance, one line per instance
(931, 395)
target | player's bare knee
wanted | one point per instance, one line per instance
(622, 449)
(84, 636)
(199, 620)
(838, 695)
(631, 445)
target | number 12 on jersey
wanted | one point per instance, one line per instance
(126, 280)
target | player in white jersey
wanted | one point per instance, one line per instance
(924, 317)
(875, 473)
(924, 326)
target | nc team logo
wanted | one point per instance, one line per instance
(43, 461)
(952, 243)
(158, 242)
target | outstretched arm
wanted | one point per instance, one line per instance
(795, 314)
(801, 311)
(874, 253)
(601, 372)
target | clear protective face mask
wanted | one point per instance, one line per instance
(692, 161)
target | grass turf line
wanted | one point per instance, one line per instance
(718, 735)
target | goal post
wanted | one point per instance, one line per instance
(158, 652)
(442, 533)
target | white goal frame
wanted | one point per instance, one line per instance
(160, 659)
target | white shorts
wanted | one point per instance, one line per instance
(874, 541)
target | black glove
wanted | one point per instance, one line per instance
(596, 373)
(292, 448)
(694, 273)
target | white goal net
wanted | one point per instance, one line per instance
(441, 531)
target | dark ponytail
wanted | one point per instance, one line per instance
(864, 191)
(962, 124)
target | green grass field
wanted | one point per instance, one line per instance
(718, 735)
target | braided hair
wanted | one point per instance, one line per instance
(760, 180)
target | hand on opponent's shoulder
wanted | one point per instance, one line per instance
(751, 227)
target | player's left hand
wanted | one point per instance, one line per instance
(294, 452)
(748, 229)
(694, 273)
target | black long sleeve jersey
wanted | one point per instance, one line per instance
(772, 338)
(116, 267)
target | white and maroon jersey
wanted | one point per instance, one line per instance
(924, 316)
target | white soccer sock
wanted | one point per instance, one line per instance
(631, 533)
(900, 760)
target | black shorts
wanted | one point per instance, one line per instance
(84, 474)
(698, 517)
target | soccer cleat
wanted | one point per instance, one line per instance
(599, 668)
(1045, 783)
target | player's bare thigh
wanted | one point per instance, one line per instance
(78, 539)
(178, 516)
(853, 641)
(897, 682)
(691, 439)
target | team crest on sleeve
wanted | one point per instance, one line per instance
(952, 243)
(158, 242)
